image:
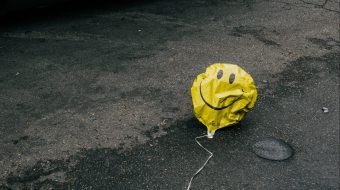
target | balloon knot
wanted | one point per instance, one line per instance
(210, 134)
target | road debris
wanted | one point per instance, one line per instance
(325, 110)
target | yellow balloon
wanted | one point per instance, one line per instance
(222, 96)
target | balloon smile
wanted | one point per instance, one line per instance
(217, 108)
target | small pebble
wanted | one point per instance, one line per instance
(273, 149)
(325, 110)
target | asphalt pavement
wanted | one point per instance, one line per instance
(97, 95)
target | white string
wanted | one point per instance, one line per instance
(205, 163)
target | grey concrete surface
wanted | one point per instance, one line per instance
(98, 97)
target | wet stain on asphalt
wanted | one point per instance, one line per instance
(292, 79)
(260, 33)
(42, 168)
(32, 176)
(155, 164)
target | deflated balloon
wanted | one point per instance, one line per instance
(222, 96)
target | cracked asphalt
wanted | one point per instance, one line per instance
(97, 96)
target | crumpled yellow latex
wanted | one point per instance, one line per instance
(222, 96)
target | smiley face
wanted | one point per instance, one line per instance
(221, 86)
(233, 97)
(222, 95)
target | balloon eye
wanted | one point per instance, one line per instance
(219, 74)
(231, 78)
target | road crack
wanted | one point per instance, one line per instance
(322, 6)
